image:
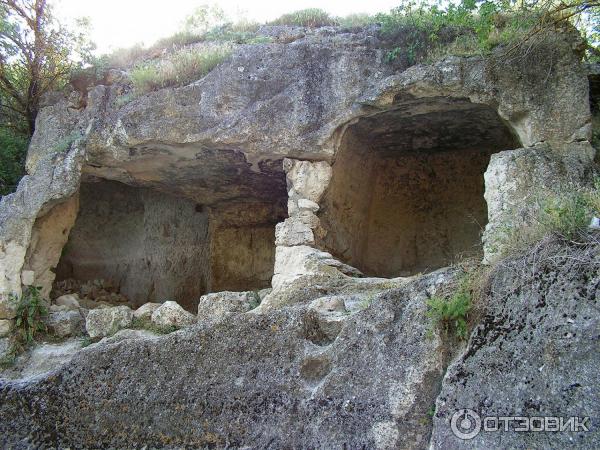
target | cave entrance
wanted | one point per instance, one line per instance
(138, 245)
(407, 190)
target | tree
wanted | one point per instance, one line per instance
(37, 54)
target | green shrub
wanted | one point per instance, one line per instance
(426, 29)
(181, 68)
(569, 213)
(356, 20)
(566, 213)
(451, 313)
(13, 151)
(31, 310)
(310, 17)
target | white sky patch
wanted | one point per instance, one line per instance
(123, 23)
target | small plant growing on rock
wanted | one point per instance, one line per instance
(452, 313)
(65, 144)
(31, 310)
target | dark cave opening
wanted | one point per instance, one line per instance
(140, 245)
(407, 191)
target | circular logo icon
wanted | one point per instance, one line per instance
(465, 424)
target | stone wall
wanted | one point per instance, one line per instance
(152, 246)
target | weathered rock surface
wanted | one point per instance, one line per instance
(43, 359)
(71, 301)
(145, 311)
(217, 305)
(170, 313)
(103, 322)
(535, 353)
(64, 323)
(371, 386)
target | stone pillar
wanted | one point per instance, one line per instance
(306, 183)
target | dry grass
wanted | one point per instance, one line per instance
(182, 67)
(310, 17)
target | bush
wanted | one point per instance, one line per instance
(451, 314)
(423, 29)
(13, 151)
(569, 213)
(311, 18)
(566, 213)
(30, 311)
(356, 20)
(181, 68)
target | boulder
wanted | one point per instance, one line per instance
(71, 301)
(107, 321)
(64, 323)
(172, 314)
(145, 311)
(219, 304)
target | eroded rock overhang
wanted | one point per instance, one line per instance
(226, 140)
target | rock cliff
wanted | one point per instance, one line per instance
(300, 173)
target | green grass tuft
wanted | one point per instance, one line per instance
(451, 313)
(310, 17)
(181, 68)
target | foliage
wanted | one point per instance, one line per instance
(356, 20)
(30, 311)
(181, 68)
(310, 17)
(204, 18)
(37, 54)
(13, 149)
(468, 27)
(565, 213)
(255, 303)
(452, 313)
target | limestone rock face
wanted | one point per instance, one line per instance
(103, 322)
(6, 326)
(220, 304)
(262, 130)
(534, 353)
(172, 314)
(263, 380)
(519, 181)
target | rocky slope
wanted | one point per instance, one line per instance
(330, 374)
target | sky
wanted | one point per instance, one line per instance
(123, 23)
